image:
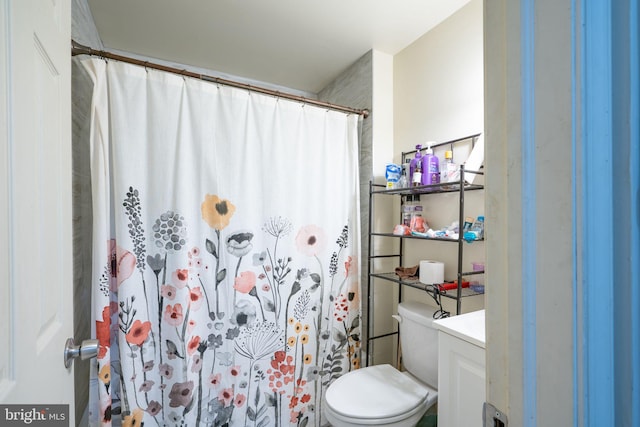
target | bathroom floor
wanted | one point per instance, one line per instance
(429, 420)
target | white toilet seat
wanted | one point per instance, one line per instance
(377, 395)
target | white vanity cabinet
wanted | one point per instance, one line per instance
(461, 370)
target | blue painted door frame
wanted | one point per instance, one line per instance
(606, 121)
(606, 198)
(609, 96)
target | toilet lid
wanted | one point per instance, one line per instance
(379, 391)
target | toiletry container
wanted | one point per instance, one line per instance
(392, 174)
(416, 168)
(476, 231)
(450, 172)
(417, 222)
(430, 168)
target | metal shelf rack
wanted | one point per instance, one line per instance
(437, 291)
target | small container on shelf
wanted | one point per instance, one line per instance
(407, 212)
(417, 222)
(392, 174)
(477, 266)
(477, 287)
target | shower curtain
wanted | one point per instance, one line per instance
(225, 252)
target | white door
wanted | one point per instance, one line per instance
(36, 312)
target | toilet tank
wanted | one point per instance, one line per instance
(419, 341)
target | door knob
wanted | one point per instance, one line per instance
(86, 350)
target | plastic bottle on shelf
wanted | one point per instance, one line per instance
(450, 172)
(478, 227)
(403, 182)
(430, 168)
(416, 167)
(392, 174)
(407, 212)
(468, 222)
(476, 231)
(417, 221)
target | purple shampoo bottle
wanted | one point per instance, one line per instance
(430, 168)
(416, 176)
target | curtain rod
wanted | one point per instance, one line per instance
(78, 49)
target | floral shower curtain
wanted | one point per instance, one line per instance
(225, 254)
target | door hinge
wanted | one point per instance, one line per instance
(492, 417)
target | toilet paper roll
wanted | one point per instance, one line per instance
(431, 272)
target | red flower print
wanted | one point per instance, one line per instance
(239, 400)
(193, 345)
(138, 333)
(245, 282)
(288, 368)
(305, 398)
(293, 402)
(195, 298)
(341, 307)
(347, 266)
(122, 262)
(173, 314)
(278, 357)
(168, 291)
(226, 396)
(102, 332)
(300, 383)
(278, 373)
(180, 278)
(214, 380)
(234, 371)
(311, 240)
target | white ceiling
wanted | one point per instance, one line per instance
(298, 44)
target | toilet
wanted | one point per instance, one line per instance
(381, 395)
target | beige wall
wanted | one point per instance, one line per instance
(438, 96)
(548, 163)
(438, 82)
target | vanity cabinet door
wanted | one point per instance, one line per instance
(461, 382)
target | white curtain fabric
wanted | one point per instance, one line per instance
(225, 254)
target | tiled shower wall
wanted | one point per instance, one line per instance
(83, 31)
(354, 88)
